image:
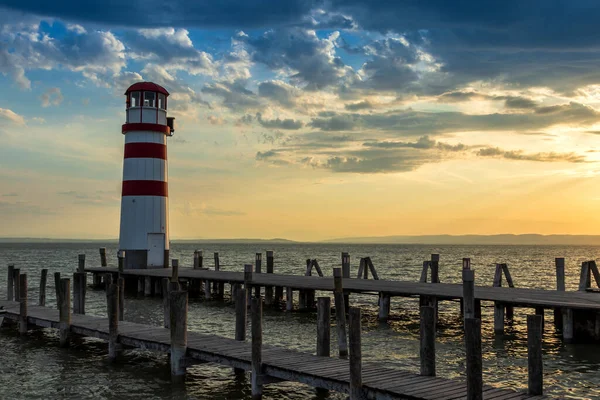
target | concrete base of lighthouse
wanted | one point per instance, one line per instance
(138, 259)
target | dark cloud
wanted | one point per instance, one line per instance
(235, 95)
(279, 92)
(520, 103)
(361, 105)
(522, 156)
(278, 123)
(423, 143)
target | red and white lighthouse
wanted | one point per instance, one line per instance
(144, 234)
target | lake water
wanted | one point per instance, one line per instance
(35, 367)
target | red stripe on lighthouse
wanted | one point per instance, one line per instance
(145, 150)
(137, 126)
(145, 188)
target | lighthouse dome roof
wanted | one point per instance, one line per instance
(149, 86)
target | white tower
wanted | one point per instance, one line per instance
(144, 234)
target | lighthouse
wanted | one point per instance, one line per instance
(144, 232)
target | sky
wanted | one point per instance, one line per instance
(307, 120)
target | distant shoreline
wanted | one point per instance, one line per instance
(501, 239)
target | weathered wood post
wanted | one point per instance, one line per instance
(258, 270)
(216, 285)
(435, 268)
(16, 280)
(77, 293)
(112, 305)
(270, 268)
(289, 299)
(147, 286)
(10, 283)
(178, 325)
(498, 306)
(324, 326)
(23, 304)
(175, 270)
(103, 262)
(356, 389)
(207, 289)
(43, 280)
(560, 286)
(567, 325)
(57, 289)
(468, 277)
(81, 263)
(384, 306)
(166, 307)
(466, 265)
(248, 283)
(108, 280)
(427, 331)
(241, 316)
(197, 256)
(534, 355)
(121, 297)
(140, 286)
(340, 312)
(346, 275)
(64, 307)
(473, 352)
(256, 349)
(310, 294)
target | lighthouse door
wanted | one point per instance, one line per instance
(156, 249)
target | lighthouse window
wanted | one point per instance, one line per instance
(135, 99)
(161, 101)
(149, 99)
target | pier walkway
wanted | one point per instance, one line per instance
(330, 373)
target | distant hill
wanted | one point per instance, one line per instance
(528, 239)
(49, 240)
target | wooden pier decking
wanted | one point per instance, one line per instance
(519, 297)
(378, 381)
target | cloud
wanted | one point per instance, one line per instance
(202, 209)
(423, 143)
(13, 194)
(279, 92)
(51, 97)
(234, 94)
(215, 120)
(277, 123)
(522, 156)
(361, 105)
(11, 117)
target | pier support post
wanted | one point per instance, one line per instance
(356, 389)
(197, 259)
(23, 304)
(346, 275)
(560, 285)
(103, 262)
(498, 318)
(289, 299)
(140, 285)
(175, 270)
(10, 283)
(57, 289)
(16, 280)
(81, 263)
(112, 303)
(248, 282)
(427, 352)
(324, 326)
(473, 352)
(241, 315)
(258, 270)
(567, 325)
(384, 306)
(207, 294)
(178, 325)
(121, 298)
(166, 306)
(468, 277)
(43, 284)
(256, 349)
(77, 292)
(270, 268)
(147, 286)
(340, 312)
(534, 355)
(64, 307)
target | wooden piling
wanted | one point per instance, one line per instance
(498, 318)
(560, 285)
(256, 349)
(112, 303)
(258, 270)
(468, 277)
(178, 326)
(384, 306)
(346, 275)
(534, 355)
(147, 286)
(248, 282)
(356, 390)
(207, 294)
(23, 304)
(340, 312)
(473, 353)
(323, 326)
(16, 280)
(175, 270)
(197, 259)
(140, 285)
(64, 308)
(103, 262)
(270, 269)
(241, 311)
(10, 283)
(435, 268)
(121, 287)
(567, 325)
(278, 295)
(43, 284)
(81, 263)
(76, 293)
(427, 349)
(218, 287)
(57, 289)
(166, 307)
(289, 299)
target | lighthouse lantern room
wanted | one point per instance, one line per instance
(144, 233)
